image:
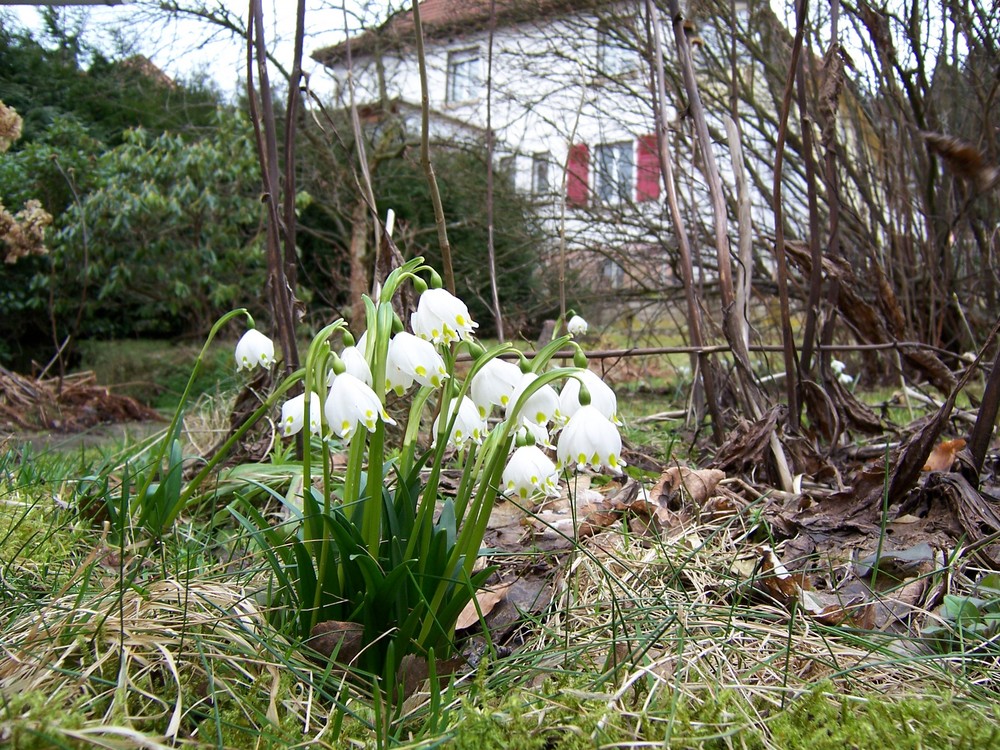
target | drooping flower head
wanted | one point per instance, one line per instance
(494, 384)
(590, 438)
(601, 396)
(411, 358)
(529, 472)
(442, 318)
(577, 326)
(293, 415)
(469, 425)
(253, 349)
(351, 402)
(540, 407)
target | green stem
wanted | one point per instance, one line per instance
(372, 504)
(175, 421)
(541, 359)
(409, 448)
(352, 475)
(324, 546)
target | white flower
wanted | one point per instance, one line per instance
(528, 472)
(590, 438)
(356, 364)
(349, 402)
(411, 358)
(442, 317)
(577, 326)
(601, 396)
(254, 349)
(293, 414)
(494, 383)
(469, 425)
(541, 406)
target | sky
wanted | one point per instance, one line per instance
(184, 48)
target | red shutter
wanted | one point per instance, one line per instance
(576, 178)
(647, 185)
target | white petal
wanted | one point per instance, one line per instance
(469, 425)
(493, 384)
(601, 396)
(350, 402)
(540, 407)
(528, 472)
(354, 360)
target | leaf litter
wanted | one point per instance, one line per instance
(874, 538)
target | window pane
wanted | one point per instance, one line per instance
(614, 172)
(463, 75)
(613, 57)
(540, 174)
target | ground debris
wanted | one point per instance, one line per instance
(68, 404)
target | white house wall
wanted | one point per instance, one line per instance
(548, 95)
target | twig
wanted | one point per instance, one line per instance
(425, 156)
(683, 243)
(791, 384)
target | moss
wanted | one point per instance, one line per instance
(561, 717)
(37, 540)
(706, 721)
(818, 722)
(35, 720)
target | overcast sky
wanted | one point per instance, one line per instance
(183, 48)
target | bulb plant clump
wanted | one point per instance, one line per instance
(378, 544)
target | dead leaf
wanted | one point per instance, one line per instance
(681, 493)
(487, 599)
(414, 669)
(336, 639)
(748, 443)
(899, 564)
(942, 458)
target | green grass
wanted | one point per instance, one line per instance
(155, 372)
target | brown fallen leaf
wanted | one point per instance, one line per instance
(681, 493)
(697, 484)
(487, 599)
(943, 456)
(337, 639)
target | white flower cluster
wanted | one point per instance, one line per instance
(589, 433)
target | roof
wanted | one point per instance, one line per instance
(442, 18)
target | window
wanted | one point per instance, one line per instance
(613, 273)
(540, 183)
(507, 169)
(613, 57)
(464, 81)
(613, 180)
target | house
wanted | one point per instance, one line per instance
(565, 87)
